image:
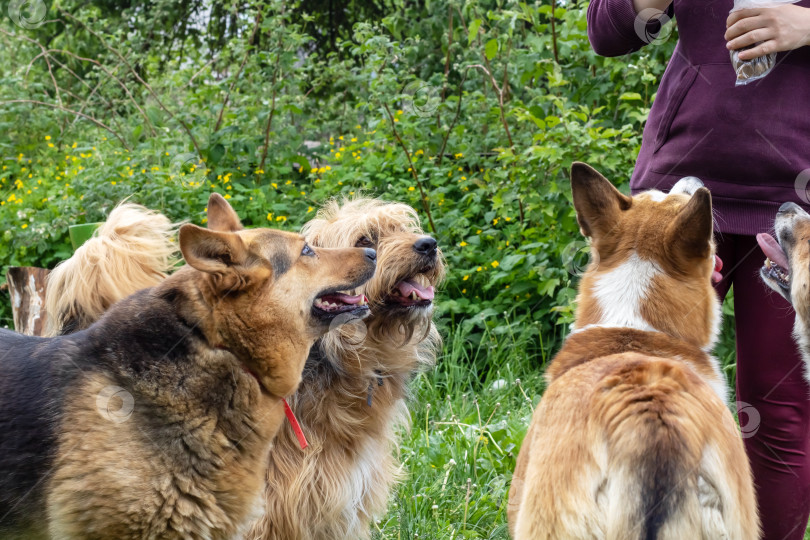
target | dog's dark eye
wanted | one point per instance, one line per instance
(364, 242)
(307, 251)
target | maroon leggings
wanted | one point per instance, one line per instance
(770, 379)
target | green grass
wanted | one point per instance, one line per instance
(469, 417)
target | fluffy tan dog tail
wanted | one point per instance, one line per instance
(134, 249)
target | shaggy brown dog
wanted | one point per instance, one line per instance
(156, 422)
(633, 438)
(787, 269)
(132, 250)
(352, 399)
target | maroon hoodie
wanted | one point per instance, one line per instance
(749, 144)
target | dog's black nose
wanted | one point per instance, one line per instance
(371, 255)
(425, 246)
(788, 208)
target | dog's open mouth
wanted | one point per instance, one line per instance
(776, 267)
(412, 292)
(330, 305)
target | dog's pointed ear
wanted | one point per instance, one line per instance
(222, 255)
(597, 201)
(221, 215)
(211, 251)
(690, 235)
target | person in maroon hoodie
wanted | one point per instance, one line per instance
(751, 147)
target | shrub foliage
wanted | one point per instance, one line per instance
(470, 111)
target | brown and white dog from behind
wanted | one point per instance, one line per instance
(633, 438)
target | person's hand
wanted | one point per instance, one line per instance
(779, 28)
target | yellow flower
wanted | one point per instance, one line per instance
(205, 220)
(463, 291)
(303, 193)
(24, 226)
(47, 137)
(227, 195)
(462, 244)
(281, 218)
(73, 145)
(112, 182)
(458, 155)
(478, 269)
(460, 169)
(411, 188)
(270, 216)
(507, 218)
(167, 153)
(478, 231)
(419, 152)
(50, 145)
(274, 184)
(310, 209)
(466, 277)
(337, 155)
(288, 182)
(354, 139)
(495, 264)
(495, 221)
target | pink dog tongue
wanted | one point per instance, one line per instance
(717, 277)
(346, 299)
(772, 250)
(406, 288)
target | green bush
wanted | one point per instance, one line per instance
(470, 112)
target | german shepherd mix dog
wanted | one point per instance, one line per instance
(352, 399)
(156, 421)
(633, 438)
(787, 269)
